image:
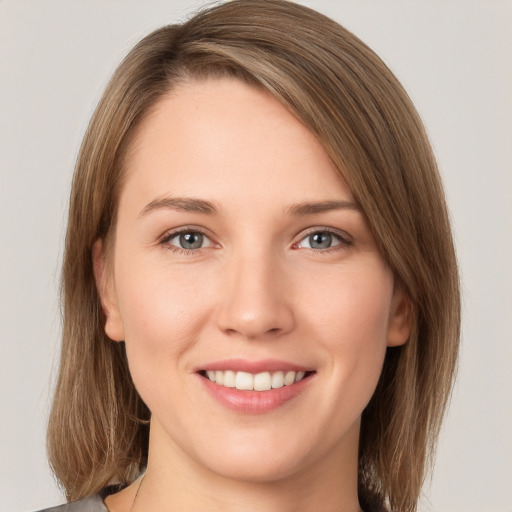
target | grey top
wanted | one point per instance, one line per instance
(91, 504)
(96, 504)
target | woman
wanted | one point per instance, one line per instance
(260, 288)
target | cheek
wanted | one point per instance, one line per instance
(162, 314)
(351, 319)
(353, 307)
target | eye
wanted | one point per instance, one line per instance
(188, 240)
(322, 240)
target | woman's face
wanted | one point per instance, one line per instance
(241, 257)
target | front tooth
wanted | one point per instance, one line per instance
(278, 380)
(229, 379)
(289, 378)
(299, 376)
(219, 377)
(244, 381)
(262, 381)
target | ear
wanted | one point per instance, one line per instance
(106, 290)
(400, 318)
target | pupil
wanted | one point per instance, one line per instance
(320, 240)
(191, 240)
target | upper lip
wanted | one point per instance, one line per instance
(244, 365)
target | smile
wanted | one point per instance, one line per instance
(254, 387)
(263, 381)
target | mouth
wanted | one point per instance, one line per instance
(261, 381)
(257, 386)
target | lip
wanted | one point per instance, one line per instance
(244, 365)
(253, 402)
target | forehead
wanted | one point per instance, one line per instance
(221, 137)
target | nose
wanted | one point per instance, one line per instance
(255, 301)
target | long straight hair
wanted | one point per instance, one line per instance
(348, 98)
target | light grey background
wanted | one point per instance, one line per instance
(454, 58)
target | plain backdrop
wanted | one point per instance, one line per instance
(455, 60)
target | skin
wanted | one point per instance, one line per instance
(256, 289)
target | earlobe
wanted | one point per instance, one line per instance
(105, 286)
(400, 318)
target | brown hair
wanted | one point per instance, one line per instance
(347, 97)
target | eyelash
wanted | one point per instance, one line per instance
(164, 241)
(343, 239)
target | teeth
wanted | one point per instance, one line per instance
(244, 381)
(278, 380)
(228, 379)
(299, 376)
(250, 382)
(289, 378)
(262, 382)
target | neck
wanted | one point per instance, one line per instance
(175, 481)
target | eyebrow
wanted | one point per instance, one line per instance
(180, 204)
(189, 204)
(309, 208)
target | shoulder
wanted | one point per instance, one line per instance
(93, 503)
(90, 504)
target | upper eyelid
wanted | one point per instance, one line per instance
(324, 229)
(171, 233)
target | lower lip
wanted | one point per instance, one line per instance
(255, 402)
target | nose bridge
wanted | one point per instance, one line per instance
(254, 301)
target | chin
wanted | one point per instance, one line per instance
(261, 457)
(260, 470)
